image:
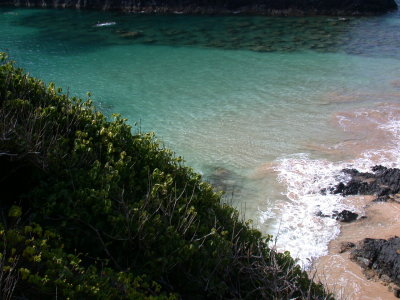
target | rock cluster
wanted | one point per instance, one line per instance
(343, 216)
(380, 258)
(383, 183)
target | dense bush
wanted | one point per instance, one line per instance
(90, 210)
(273, 7)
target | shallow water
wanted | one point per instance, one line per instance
(266, 108)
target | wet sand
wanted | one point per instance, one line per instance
(341, 275)
(368, 132)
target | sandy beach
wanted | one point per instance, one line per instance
(341, 275)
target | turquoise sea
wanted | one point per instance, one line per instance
(268, 109)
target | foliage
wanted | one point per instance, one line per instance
(115, 214)
(34, 264)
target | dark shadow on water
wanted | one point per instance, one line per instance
(70, 32)
(224, 180)
(231, 183)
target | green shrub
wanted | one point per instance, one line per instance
(34, 264)
(122, 200)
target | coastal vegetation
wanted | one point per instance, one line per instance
(270, 7)
(93, 208)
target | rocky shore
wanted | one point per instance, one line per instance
(384, 183)
(258, 7)
(380, 259)
(366, 256)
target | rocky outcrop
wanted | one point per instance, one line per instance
(269, 7)
(380, 258)
(345, 215)
(383, 183)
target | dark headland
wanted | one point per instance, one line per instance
(259, 7)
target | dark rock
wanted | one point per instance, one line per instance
(381, 199)
(383, 183)
(381, 256)
(378, 168)
(384, 191)
(345, 246)
(320, 214)
(345, 216)
(385, 278)
(339, 188)
(351, 172)
(396, 292)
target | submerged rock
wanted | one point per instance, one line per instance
(131, 34)
(225, 180)
(380, 256)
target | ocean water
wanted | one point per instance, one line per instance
(268, 109)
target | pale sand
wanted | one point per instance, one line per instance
(341, 275)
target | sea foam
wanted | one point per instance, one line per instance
(297, 226)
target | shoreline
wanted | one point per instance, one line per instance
(363, 180)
